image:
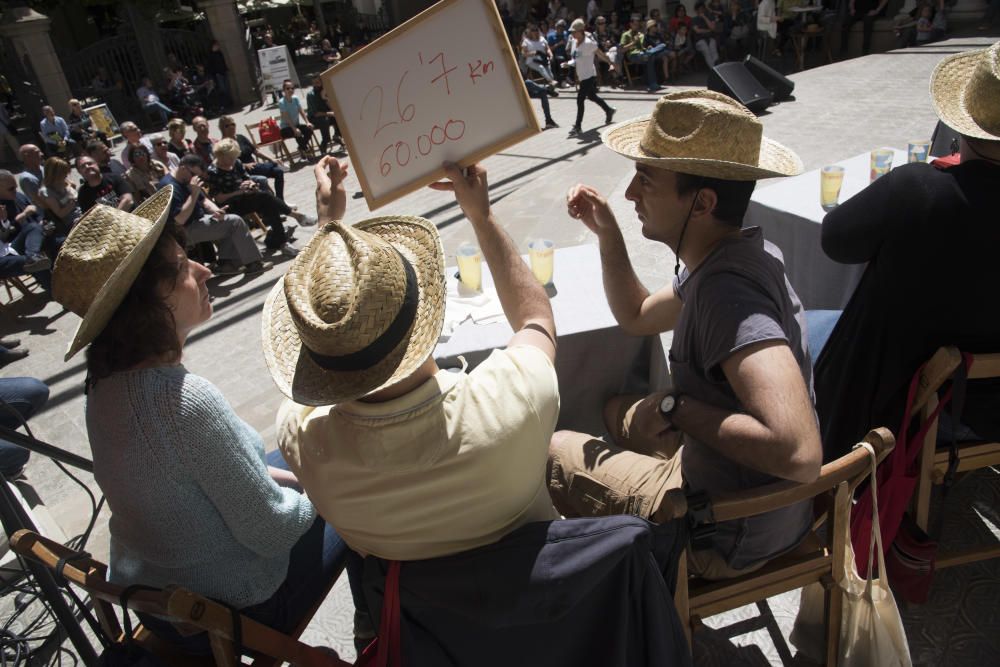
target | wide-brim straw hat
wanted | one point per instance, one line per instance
(100, 259)
(360, 309)
(704, 133)
(965, 90)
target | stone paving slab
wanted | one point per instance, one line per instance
(838, 111)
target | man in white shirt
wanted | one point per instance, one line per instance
(582, 51)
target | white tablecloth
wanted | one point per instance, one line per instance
(595, 358)
(790, 214)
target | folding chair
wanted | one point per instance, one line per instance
(192, 613)
(277, 145)
(934, 461)
(819, 558)
(15, 283)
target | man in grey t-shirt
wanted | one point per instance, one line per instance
(742, 411)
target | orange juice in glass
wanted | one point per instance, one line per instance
(470, 266)
(831, 178)
(541, 253)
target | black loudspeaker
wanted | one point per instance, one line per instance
(944, 141)
(779, 85)
(734, 80)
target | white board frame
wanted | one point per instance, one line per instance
(516, 89)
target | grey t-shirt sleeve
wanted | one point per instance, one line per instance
(734, 313)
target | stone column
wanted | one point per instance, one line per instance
(227, 27)
(966, 13)
(28, 32)
(658, 4)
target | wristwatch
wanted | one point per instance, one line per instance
(668, 404)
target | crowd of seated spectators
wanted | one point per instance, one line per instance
(657, 49)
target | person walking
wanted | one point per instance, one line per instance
(582, 51)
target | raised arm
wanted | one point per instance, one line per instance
(524, 300)
(637, 311)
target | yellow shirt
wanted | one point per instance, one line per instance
(455, 464)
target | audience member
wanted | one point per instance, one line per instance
(55, 133)
(230, 187)
(330, 55)
(291, 112)
(914, 217)
(537, 54)
(30, 179)
(633, 49)
(21, 235)
(258, 164)
(472, 442)
(582, 52)
(202, 143)
(742, 400)
(217, 69)
(59, 196)
(206, 489)
(81, 127)
(736, 29)
(133, 137)
(151, 101)
(101, 154)
(98, 187)
(203, 221)
(319, 114)
(653, 40)
(680, 18)
(558, 44)
(144, 176)
(703, 28)
(607, 42)
(178, 144)
(161, 151)
(8, 133)
(20, 399)
(866, 11)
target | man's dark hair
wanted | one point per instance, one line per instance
(732, 197)
(142, 327)
(699, 5)
(93, 146)
(191, 161)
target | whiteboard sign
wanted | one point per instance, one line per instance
(444, 86)
(275, 66)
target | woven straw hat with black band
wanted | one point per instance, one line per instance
(101, 258)
(360, 309)
(965, 89)
(704, 133)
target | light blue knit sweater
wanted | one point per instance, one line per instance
(186, 481)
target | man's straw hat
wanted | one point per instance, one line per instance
(100, 260)
(360, 309)
(704, 133)
(965, 90)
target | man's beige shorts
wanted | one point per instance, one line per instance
(590, 477)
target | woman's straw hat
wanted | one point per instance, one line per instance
(360, 309)
(704, 133)
(101, 258)
(965, 89)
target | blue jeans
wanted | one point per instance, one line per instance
(271, 170)
(29, 239)
(315, 560)
(819, 326)
(651, 58)
(540, 93)
(25, 396)
(160, 109)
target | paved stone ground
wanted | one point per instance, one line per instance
(838, 111)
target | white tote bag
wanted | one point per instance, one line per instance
(871, 632)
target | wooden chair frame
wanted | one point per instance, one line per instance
(278, 146)
(934, 461)
(193, 613)
(17, 283)
(816, 559)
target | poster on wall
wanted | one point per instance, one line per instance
(104, 121)
(275, 66)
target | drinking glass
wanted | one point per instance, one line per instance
(470, 266)
(830, 180)
(541, 252)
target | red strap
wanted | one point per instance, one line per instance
(390, 646)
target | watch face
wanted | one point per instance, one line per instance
(667, 404)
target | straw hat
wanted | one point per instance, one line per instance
(100, 260)
(360, 309)
(965, 89)
(704, 133)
